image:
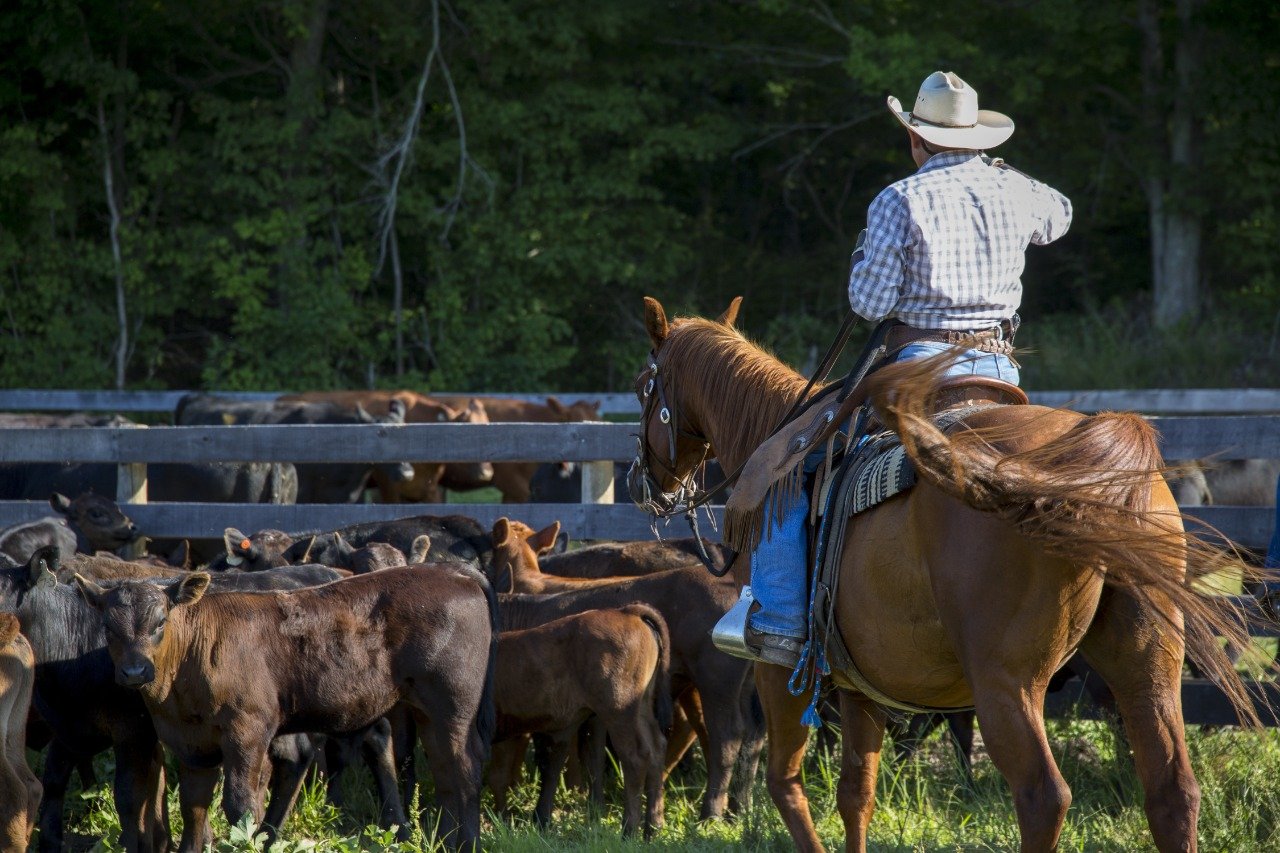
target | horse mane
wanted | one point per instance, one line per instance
(746, 391)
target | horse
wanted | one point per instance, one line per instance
(1031, 533)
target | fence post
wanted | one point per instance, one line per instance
(131, 488)
(597, 482)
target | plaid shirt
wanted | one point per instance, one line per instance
(945, 247)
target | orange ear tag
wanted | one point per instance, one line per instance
(245, 544)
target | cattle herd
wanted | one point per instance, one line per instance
(266, 657)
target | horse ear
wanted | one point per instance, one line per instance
(730, 315)
(655, 321)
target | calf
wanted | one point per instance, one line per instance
(513, 478)
(19, 790)
(222, 674)
(90, 523)
(263, 550)
(631, 559)
(692, 602)
(614, 664)
(453, 539)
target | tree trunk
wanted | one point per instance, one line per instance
(1174, 130)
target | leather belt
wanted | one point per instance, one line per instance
(903, 334)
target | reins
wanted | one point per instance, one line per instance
(654, 394)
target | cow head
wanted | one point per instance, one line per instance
(373, 557)
(97, 521)
(579, 411)
(516, 548)
(135, 616)
(262, 550)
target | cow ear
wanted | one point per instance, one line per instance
(655, 321)
(306, 555)
(231, 539)
(60, 503)
(730, 315)
(544, 540)
(341, 545)
(556, 406)
(396, 410)
(562, 542)
(180, 557)
(365, 417)
(190, 589)
(501, 532)
(90, 591)
(43, 566)
(418, 552)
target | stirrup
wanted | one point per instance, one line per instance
(730, 633)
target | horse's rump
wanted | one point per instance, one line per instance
(1087, 488)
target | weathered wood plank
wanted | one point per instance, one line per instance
(1243, 437)
(506, 442)
(1156, 401)
(1250, 526)
(1203, 704)
(56, 400)
(1183, 438)
(1166, 401)
(205, 520)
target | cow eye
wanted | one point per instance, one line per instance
(158, 630)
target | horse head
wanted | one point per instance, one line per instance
(671, 446)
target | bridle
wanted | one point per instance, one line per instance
(641, 482)
(687, 498)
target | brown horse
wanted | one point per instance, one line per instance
(1032, 533)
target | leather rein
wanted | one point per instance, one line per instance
(687, 497)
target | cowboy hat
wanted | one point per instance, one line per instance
(946, 114)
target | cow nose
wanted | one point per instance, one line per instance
(134, 674)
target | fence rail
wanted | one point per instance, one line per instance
(1156, 401)
(596, 445)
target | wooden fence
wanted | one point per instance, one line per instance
(596, 445)
(1170, 401)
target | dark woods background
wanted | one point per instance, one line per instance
(475, 195)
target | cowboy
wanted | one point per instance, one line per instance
(942, 254)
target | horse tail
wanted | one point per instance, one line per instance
(1085, 494)
(663, 708)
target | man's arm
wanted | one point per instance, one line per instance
(876, 279)
(1053, 209)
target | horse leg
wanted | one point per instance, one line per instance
(862, 731)
(1141, 661)
(788, 738)
(1012, 718)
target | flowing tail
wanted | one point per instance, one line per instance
(1085, 494)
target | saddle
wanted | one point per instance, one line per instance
(876, 470)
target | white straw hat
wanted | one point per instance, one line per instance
(946, 114)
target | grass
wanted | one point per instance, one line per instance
(923, 805)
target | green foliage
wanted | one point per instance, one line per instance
(568, 159)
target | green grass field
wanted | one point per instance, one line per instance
(924, 805)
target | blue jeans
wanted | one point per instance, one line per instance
(778, 575)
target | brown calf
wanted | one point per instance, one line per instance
(516, 550)
(223, 674)
(513, 478)
(19, 788)
(550, 679)
(419, 409)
